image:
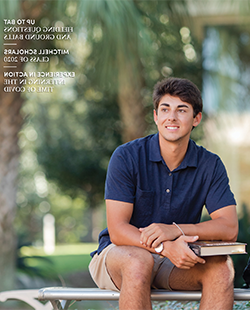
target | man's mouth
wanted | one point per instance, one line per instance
(172, 127)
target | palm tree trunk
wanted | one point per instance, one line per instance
(10, 125)
(130, 100)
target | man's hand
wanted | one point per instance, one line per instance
(180, 254)
(154, 234)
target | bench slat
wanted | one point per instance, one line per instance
(65, 293)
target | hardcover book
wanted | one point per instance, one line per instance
(211, 248)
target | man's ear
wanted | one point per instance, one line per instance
(197, 119)
(155, 117)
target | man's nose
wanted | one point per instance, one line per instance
(172, 115)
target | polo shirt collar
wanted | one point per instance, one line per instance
(154, 149)
(190, 159)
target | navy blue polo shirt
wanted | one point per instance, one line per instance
(138, 174)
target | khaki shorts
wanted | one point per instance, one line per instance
(160, 274)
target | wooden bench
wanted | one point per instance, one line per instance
(61, 297)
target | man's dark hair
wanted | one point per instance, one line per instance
(181, 88)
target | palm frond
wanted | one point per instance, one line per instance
(115, 31)
(9, 9)
(212, 7)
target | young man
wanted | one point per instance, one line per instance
(155, 190)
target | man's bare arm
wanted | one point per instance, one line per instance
(118, 217)
(122, 233)
(222, 226)
(120, 230)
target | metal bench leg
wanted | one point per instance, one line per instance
(28, 296)
(60, 305)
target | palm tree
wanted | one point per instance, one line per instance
(119, 67)
(123, 36)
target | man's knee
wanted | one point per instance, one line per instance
(220, 268)
(139, 261)
(134, 264)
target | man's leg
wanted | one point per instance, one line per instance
(130, 269)
(215, 278)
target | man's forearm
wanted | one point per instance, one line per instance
(212, 230)
(128, 235)
(222, 226)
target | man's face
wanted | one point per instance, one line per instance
(175, 119)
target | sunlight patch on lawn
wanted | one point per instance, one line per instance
(63, 249)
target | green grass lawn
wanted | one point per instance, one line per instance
(65, 259)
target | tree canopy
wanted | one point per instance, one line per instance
(74, 147)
